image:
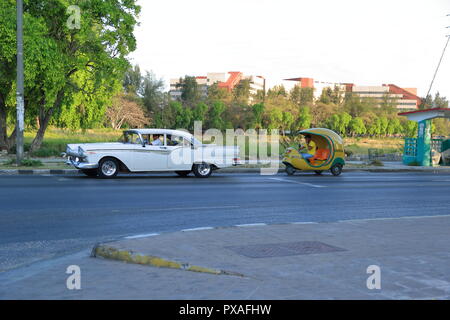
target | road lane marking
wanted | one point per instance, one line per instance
(395, 218)
(304, 222)
(178, 208)
(251, 225)
(142, 236)
(297, 182)
(197, 229)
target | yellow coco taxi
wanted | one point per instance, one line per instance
(329, 154)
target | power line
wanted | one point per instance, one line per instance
(439, 64)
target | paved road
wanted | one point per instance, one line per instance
(42, 217)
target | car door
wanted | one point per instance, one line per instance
(180, 153)
(151, 158)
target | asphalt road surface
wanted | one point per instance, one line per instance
(43, 217)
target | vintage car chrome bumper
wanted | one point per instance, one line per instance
(81, 165)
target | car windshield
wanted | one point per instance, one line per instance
(130, 138)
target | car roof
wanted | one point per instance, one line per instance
(162, 131)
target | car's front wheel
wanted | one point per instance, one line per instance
(202, 170)
(108, 168)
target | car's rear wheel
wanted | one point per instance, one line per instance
(290, 170)
(108, 168)
(202, 170)
(182, 173)
(90, 172)
(336, 169)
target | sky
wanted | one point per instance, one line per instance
(365, 42)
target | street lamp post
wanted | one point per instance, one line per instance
(20, 86)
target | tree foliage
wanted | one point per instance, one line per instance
(69, 72)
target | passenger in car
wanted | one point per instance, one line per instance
(310, 149)
(156, 140)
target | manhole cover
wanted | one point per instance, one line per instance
(283, 249)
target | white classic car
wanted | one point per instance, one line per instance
(146, 150)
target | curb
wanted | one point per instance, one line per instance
(226, 170)
(128, 256)
(37, 171)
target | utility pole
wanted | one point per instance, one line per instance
(20, 86)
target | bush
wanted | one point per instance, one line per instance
(10, 162)
(48, 151)
(31, 163)
(25, 163)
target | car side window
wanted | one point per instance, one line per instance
(146, 138)
(179, 141)
(130, 138)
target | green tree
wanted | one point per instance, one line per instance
(410, 129)
(384, 123)
(183, 115)
(301, 96)
(151, 92)
(275, 118)
(216, 115)
(357, 127)
(190, 91)
(132, 82)
(242, 91)
(68, 61)
(340, 122)
(439, 101)
(200, 112)
(394, 126)
(426, 103)
(277, 91)
(218, 94)
(258, 111)
(326, 96)
(304, 119)
(374, 128)
(287, 121)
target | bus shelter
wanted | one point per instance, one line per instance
(422, 149)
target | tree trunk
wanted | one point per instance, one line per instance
(3, 132)
(44, 120)
(6, 143)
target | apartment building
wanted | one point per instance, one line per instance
(225, 80)
(403, 98)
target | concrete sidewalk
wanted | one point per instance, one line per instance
(289, 261)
